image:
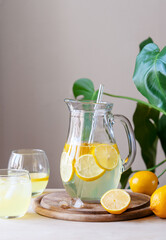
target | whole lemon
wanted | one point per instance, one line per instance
(158, 202)
(143, 182)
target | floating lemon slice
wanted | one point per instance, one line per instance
(66, 167)
(107, 156)
(115, 201)
(87, 169)
(37, 177)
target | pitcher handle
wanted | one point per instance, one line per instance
(131, 141)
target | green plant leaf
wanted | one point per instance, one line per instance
(162, 132)
(94, 96)
(124, 177)
(83, 87)
(150, 74)
(145, 122)
(145, 42)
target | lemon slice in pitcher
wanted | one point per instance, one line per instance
(115, 201)
(107, 156)
(66, 167)
(87, 169)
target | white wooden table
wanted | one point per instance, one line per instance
(34, 226)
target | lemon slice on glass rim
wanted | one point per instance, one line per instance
(107, 156)
(87, 169)
(115, 201)
(66, 167)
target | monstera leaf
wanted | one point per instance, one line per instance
(84, 87)
(150, 74)
(145, 121)
(162, 132)
(145, 42)
(124, 177)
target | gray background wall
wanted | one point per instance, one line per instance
(45, 45)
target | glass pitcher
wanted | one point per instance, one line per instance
(90, 162)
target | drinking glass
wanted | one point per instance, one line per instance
(15, 193)
(36, 162)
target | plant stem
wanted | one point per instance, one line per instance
(152, 168)
(136, 100)
(162, 173)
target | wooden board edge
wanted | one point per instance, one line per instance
(89, 217)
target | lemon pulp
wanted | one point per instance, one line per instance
(115, 201)
(87, 169)
(107, 156)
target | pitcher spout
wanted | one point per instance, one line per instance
(87, 105)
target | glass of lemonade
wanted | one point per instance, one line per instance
(90, 162)
(36, 162)
(15, 193)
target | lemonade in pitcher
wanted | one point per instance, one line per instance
(90, 168)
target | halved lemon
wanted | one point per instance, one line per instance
(115, 201)
(107, 156)
(87, 169)
(66, 167)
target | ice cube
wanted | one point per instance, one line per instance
(78, 203)
(10, 191)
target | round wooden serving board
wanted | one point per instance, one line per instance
(59, 205)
